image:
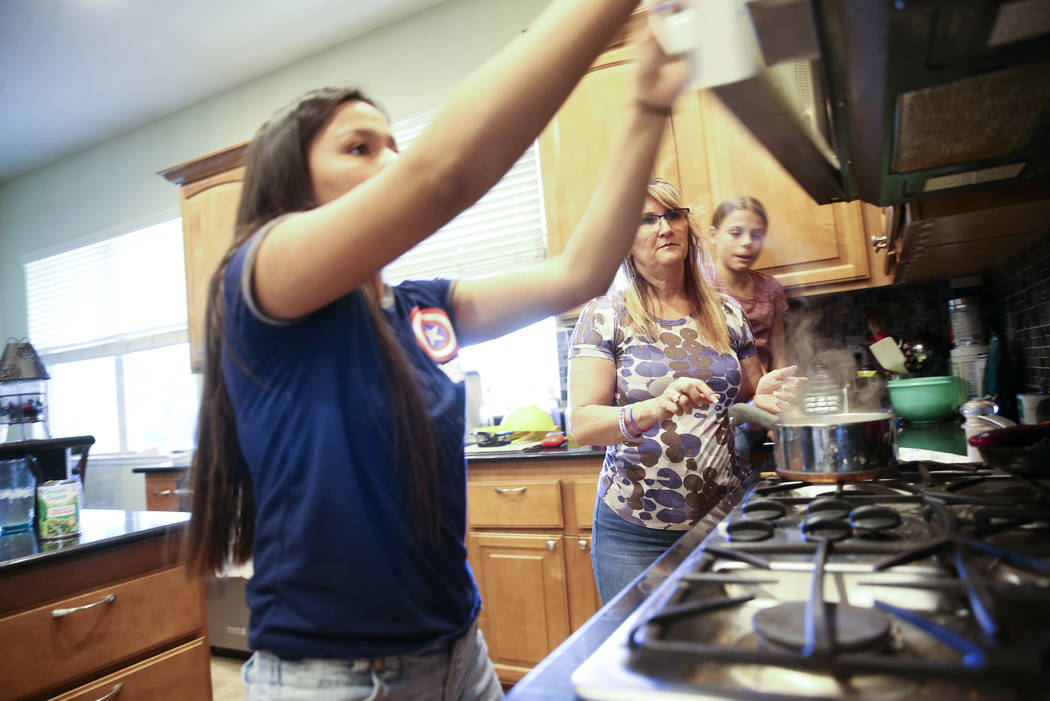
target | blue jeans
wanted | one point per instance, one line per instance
(620, 551)
(451, 670)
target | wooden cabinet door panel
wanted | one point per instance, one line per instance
(577, 144)
(524, 609)
(515, 504)
(579, 576)
(209, 212)
(808, 243)
(48, 649)
(176, 675)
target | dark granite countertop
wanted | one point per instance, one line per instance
(478, 455)
(160, 467)
(501, 453)
(100, 529)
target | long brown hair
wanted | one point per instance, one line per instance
(705, 304)
(276, 182)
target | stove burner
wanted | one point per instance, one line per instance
(749, 530)
(870, 519)
(831, 508)
(767, 509)
(852, 628)
(820, 526)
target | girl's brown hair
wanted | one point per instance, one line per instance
(706, 304)
(277, 181)
(734, 204)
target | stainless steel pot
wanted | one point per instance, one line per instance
(846, 447)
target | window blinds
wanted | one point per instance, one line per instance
(119, 289)
(503, 231)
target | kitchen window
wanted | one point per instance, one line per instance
(503, 231)
(108, 319)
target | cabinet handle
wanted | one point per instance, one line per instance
(550, 545)
(880, 242)
(581, 544)
(515, 490)
(116, 690)
(171, 492)
(58, 613)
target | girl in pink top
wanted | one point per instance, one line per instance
(738, 230)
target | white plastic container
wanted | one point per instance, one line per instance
(965, 315)
(969, 363)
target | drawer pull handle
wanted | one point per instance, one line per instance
(171, 492)
(582, 544)
(515, 490)
(59, 613)
(550, 545)
(116, 690)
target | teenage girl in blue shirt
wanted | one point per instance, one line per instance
(330, 432)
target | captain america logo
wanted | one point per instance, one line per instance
(434, 334)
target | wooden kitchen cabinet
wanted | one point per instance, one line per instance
(167, 489)
(526, 520)
(209, 193)
(711, 157)
(126, 616)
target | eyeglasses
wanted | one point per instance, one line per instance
(673, 216)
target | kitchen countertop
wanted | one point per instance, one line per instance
(550, 679)
(500, 453)
(101, 529)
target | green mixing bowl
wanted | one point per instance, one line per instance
(927, 400)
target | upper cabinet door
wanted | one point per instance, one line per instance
(210, 192)
(577, 144)
(807, 244)
(209, 212)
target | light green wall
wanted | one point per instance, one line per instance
(406, 66)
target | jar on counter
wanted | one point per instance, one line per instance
(980, 415)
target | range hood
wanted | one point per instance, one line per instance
(894, 101)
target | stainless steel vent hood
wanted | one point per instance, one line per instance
(893, 101)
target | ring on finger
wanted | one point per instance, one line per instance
(676, 397)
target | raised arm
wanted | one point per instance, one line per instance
(312, 258)
(493, 306)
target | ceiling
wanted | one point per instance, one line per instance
(76, 72)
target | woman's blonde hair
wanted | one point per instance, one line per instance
(706, 306)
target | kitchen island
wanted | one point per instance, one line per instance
(110, 611)
(550, 679)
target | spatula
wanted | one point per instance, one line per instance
(889, 355)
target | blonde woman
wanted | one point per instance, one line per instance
(653, 371)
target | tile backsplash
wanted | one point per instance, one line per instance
(1021, 295)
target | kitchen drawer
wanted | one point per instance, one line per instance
(515, 504)
(42, 651)
(584, 492)
(175, 675)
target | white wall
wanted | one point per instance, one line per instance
(405, 66)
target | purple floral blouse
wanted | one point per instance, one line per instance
(680, 468)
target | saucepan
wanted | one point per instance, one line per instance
(1021, 450)
(843, 447)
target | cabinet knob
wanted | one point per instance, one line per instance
(550, 545)
(581, 544)
(880, 242)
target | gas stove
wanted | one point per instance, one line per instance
(930, 583)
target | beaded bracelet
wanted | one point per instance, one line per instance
(623, 424)
(630, 419)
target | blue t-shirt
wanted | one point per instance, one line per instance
(338, 569)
